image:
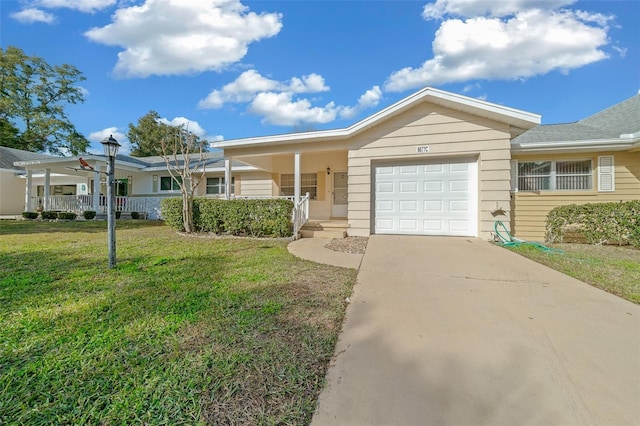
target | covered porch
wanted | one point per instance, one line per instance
(62, 184)
(320, 173)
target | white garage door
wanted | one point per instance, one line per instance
(427, 199)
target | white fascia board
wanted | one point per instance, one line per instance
(61, 160)
(496, 112)
(591, 145)
(207, 169)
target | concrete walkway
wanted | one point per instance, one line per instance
(314, 249)
(456, 331)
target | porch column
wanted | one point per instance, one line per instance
(296, 178)
(96, 188)
(227, 178)
(47, 188)
(27, 192)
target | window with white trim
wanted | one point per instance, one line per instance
(168, 183)
(216, 186)
(555, 175)
(308, 183)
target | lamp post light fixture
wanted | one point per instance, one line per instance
(111, 146)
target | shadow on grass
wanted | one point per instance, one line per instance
(12, 227)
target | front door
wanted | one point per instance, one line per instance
(339, 199)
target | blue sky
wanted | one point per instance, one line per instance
(234, 69)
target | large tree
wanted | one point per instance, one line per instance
(148, 134)
(33, 97)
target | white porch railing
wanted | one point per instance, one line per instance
(81, 203)
(300, 214)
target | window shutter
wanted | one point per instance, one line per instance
(155, 183)
(514, 175)
(606, 174)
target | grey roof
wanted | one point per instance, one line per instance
(10, 155)
(610, 123)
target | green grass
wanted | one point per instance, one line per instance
(186, 330)
(611, 268)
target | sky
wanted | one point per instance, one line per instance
(231, 69)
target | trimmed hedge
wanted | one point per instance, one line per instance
(49, 215)
(88, 214)
(256, 218)
(30, 215)
(67, 216)
(602, 223)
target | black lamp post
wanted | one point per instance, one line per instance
(111, 146)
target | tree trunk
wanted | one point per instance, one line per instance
(187, 213)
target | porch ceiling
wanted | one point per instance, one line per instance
(272, 162)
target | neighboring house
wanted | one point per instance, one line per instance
(434, 163)
(57, 183)
(12, 179)
(594, 160)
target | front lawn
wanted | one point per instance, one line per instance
(186, 330)
(611, 268)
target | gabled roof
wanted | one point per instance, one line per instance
(617, 127)
(516, 118)
(8, 156)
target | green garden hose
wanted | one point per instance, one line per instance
(511, 241)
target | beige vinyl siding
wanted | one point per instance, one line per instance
(254, 184)
(13, 190)
(449, 134)
(530, 209)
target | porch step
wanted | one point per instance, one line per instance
(325, 229)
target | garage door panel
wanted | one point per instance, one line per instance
(408, 206)
(426, 199)
(409, 186)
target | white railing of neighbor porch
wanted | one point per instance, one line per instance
(80, 203)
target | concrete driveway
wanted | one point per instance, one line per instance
(456, 331)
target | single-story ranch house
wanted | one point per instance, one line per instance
(434, 163)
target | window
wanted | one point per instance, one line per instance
(308, 183)
(216, 186)
(167, 183)
(570, 175)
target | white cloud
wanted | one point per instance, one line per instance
(190, 125)
(370, 98)
(281, 109)
(250, 83)
(279, 103)
(169, 37)
(100, 135)
(31, 15)
(474, 8)
(531, 42)
(89, 6)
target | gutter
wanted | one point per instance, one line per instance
(618, 144)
